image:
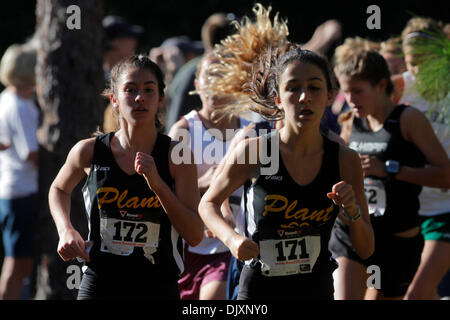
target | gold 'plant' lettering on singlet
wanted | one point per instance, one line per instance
(110, 195)
(279, 203)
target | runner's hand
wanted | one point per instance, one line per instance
(71, 245)
(372, 166)
(342, 195)
(242, 248)
(145, 165)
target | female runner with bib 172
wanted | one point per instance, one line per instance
(136, 198)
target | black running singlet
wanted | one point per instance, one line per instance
(131, 233)
(393, 204)
(292, 223)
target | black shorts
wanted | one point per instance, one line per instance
(254, 286)
(97, 287)
(398, 258)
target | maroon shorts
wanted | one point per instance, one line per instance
(200, 269)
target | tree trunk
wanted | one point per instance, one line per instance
(69, 83)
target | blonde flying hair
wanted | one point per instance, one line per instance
(237, 55)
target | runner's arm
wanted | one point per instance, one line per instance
(231, 177)
(181, 205)
(417, 129)
(71, 244)
(361, 232)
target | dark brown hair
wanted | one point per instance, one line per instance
(366, 65)
(266, 72)
(139, 62)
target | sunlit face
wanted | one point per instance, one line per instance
(303, 94)
(411, 60)
(212, 102)
(137, 98)
(361, 95)
(395, 63)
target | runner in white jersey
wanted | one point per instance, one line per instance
(434, 202)
(209, 134)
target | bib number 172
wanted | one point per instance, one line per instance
(131, 235)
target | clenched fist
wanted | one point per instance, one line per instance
(145, 165)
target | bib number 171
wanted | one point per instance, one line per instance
(280, 257)
(291, 246)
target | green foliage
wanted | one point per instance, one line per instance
(433, 78)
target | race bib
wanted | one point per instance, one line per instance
(284, 257)
(121, 232)
(376, 196)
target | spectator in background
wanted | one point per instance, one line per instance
(19, 117)
(120, 41)
(324, 37)
(173, 53)
(216, 28)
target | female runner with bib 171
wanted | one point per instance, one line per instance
(290, 213)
